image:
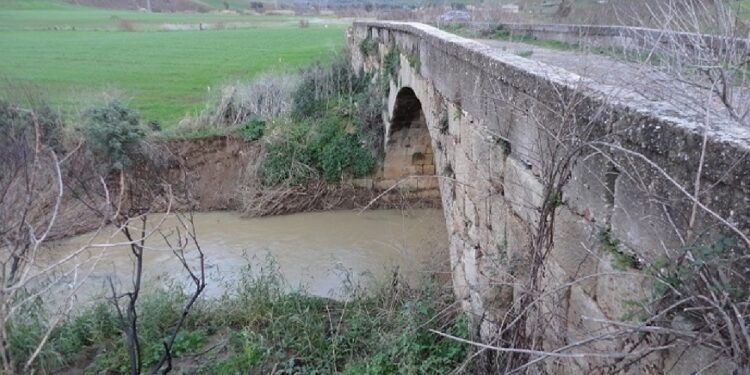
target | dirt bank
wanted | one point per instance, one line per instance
(209, 171)
(219, 173)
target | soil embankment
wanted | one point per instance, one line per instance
(209, 171)
(220, 173)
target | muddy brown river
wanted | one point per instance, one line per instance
(318, 251)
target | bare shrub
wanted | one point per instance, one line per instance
(266, 97)
(38, 181)
(701, 45)
(31, 197)
(303, 24)
(257, 6)
(123, 24)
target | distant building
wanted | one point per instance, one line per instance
(454, 16)
(510, 8)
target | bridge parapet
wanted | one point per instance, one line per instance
(512, 138)
(619, 37)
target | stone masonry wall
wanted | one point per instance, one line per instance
(486, 113)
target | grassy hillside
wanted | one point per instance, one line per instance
(63, 16)
(76, 53)
(33, 4)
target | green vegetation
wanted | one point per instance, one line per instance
(444, 123)
(392, 61)
(611, 245)
(500, 33)
(743, 9)
(323, 123)
(326, 134)
(455, 28)
(525, 54)
(414, 61)
(17, 123)
(368, 46)
(252, 129)
(114, 133)
(23, 15)
(163, 75)
(458, 114)
(258, 326)
(555, 199)
(710, 254)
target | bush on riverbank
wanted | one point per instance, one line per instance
(257, 325)
(114, 134)
(322, 122)
(329, 146)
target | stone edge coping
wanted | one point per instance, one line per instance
(491, 60)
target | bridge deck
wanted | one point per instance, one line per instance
(626, 79)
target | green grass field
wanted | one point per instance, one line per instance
(163, 74)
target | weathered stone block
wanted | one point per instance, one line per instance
(575, 249)
(366, 183)
(691, 359)
(525, 138)
(498, 218)
(427, 183)
(384, 184)
(429, 169)
(463, 168)
(590, 190)
(619, 293)
(640, 222)
(523, 191)
(583, 323)
(553, 308)
(471, 266)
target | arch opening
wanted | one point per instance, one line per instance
(408, 147)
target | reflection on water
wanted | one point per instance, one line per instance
(310, 249)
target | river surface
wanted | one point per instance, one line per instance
(318, 252)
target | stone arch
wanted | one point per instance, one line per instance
(408, 145)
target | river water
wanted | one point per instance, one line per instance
(316, 251)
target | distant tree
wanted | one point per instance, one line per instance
(564, 9)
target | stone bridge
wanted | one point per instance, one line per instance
(556, 186)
